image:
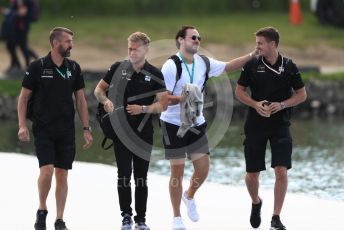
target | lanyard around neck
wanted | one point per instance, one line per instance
(61, 74)
(191, 75)
(280, 69)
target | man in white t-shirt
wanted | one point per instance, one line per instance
(195, 142)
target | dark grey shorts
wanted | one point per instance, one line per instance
(194, 141)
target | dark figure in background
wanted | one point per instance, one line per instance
(18, 18)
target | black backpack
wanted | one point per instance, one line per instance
(178, 64)
(103, 117)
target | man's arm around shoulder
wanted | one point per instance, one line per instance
(238, 63)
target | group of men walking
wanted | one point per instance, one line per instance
(134, 89)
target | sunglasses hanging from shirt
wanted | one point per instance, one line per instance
(280, 69)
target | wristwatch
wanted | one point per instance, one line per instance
(144, 109)
(87, 128)
(283, 106)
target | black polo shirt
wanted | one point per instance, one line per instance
(272, 83)
(138, 86)
(52, 91)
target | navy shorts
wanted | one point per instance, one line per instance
(255, 146)
(55, 148)
(194, 141)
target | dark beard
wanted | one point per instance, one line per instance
(64, 53)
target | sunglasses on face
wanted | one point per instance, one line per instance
(194, 37)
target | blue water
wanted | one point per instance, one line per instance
(318, 157)
(318, 160)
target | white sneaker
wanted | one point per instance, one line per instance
(191, 207)
(178, 223)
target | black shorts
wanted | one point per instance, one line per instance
(255, 146)
(194, 141)
(55, 148)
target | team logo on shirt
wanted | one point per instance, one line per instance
(69, 74)
(48, 72)
(281, 69)
(261, 69)
(147, 78)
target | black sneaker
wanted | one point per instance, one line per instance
(60, 225)
(41, 216)
(141, 226)
(276, 223)
(126, 222)
(255, 219)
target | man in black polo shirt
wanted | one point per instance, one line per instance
(276, 86)
(133, 85)
(47, 96)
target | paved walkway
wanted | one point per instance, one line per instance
(93, 204)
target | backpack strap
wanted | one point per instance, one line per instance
(101, 114)
(207, 65)
(287, 65)
(178, 64)
(104, 142)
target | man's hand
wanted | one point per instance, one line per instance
(134, 109)
(88, 139)
(263, 110)
(108, 106)
(24, 134)
(173, 99)
(275, 107)
(254, 53)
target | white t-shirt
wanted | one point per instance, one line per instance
(169, 69)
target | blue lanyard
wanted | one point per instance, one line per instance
(61, 74)
(191, 75)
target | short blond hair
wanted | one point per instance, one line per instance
(55, 33)
(139, 36)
